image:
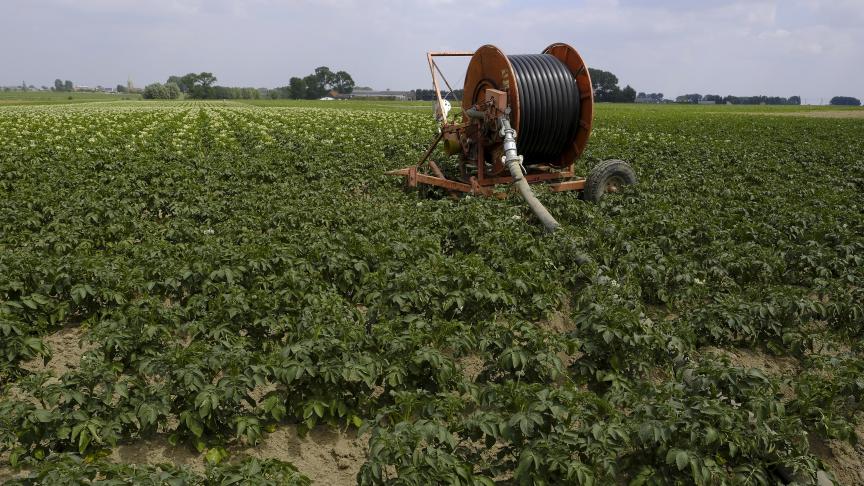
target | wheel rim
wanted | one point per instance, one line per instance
(613, 184)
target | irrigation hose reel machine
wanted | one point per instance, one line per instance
(547, 99)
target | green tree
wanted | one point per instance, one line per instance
(157, 91)
(172, 90)
(628, 94)
(58, 85)
(316, 85)
(197, 85)
(206, 79)
(606, 88)
(202, 85)
(314, 88)
(845, 101)
(185, 82)
(605, 85)
(343, 82)
(320, 82)
(693, 98)
(121, 88)
(324, 76)
(68, 86)
(297, 88)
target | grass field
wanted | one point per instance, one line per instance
(208, 292)
(8, 98)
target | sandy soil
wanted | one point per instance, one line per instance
(157, 450)
(749, 358)
(66, 351)
(844, 461)
(6, 473)
(327, 456)
(559, 320)
(471, 366)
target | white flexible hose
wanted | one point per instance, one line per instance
(513, 161)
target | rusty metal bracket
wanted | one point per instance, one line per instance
(433, 68)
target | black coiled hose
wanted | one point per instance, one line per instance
(548, 106)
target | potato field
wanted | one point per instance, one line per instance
(227, 293)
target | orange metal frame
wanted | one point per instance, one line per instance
(433, 67)
(558, 179)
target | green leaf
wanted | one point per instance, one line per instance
(682, 460)
(194, 425)
(526, 460)
(319, 409)
(42, 415)
(213, 456)
(711, 435)
(40, 299)
(83, 440)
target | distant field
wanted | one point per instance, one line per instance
(346, 104)
(672, 109)
(233, 292)
(52, 97)
(640, 109)
(44, 98)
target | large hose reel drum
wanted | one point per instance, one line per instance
(550, 98)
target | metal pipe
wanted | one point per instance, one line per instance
(475, 113)
(513, 162)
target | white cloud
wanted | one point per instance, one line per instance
(129, 7)
(781, 47)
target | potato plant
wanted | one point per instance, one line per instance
(234, 269)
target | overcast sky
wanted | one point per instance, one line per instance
(812, 48)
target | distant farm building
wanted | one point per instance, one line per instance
(378, 95)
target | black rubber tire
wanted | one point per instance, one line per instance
(607, 174)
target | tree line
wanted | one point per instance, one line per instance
(738, 100)
(198, 86)
(322, 82)
(60, 85)
(649, 97)
(202, 86)
(845, 101)
(606, 88)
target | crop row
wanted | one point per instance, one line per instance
(235, 269)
